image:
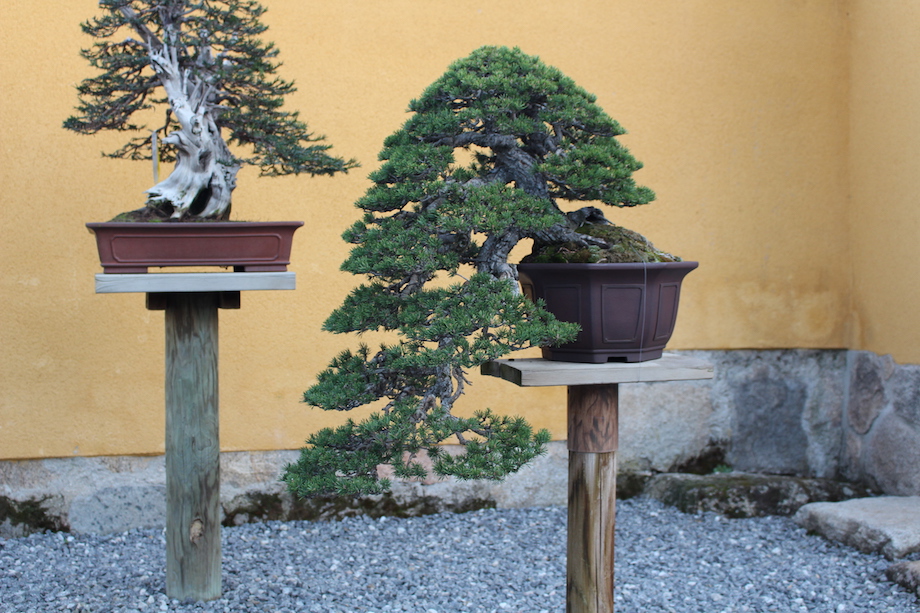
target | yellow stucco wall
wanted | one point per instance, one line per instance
(885, 177)
(740, 111)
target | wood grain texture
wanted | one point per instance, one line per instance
(537, 372)
(193, 554)
(592, 418)
(591, 528)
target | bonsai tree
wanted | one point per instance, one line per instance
(203, 61)
(491, 149)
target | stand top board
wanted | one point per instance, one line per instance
(537, 372)
(194, 282)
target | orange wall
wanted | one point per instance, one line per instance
(739, 110)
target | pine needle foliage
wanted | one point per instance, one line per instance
(529, 136)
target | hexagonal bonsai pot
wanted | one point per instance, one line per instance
(626, 311)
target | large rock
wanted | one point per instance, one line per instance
(891, 455)
(882, 428)
(889, 525)
(780, 412)
(664, 425)
(745, 495)
(867, 398)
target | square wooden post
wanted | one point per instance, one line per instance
(191, 302)
(192, 448)
(593, 427)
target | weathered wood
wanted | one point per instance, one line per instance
(591, 529)
(537, 372)
(194, 282)
(593, 414)
(191, 300)
(192, 448)
(592, 418)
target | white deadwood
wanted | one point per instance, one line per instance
(205, 173)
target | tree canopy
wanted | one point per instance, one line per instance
(490, 148)
(202, 62)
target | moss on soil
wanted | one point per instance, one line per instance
(623, 246)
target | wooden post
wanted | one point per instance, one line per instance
(192, 448)
(593, 431)
(592, 443)
(191, 301)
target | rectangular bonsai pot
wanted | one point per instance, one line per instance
(129, 247)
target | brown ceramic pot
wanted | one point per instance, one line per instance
(626, 311)
(128, 247)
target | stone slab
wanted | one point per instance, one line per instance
(905, 574)
(537, 372)
(102, 495)
(889, 525)
(738, 495)
(194, 282)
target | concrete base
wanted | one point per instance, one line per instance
(104, 495)
(841, 415)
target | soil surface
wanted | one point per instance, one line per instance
(620, 246)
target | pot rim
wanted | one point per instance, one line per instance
(607, 266)
(190, 224)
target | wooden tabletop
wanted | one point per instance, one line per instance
(537, 372)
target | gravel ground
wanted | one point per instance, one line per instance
(487, 561)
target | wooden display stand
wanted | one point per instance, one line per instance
(191, 300)
(592, 442)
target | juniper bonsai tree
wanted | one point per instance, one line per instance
(204, 62)
(490, 149)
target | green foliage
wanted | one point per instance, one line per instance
(502, 96)
(527, 136)
(218, 46)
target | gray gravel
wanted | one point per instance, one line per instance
(487, 561)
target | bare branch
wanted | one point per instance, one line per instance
(140, 27)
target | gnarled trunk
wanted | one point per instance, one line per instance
(204, 177)
(205, 173)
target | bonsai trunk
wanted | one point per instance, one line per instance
(205, 172)
(204, 177)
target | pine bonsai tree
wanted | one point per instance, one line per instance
(492, 146)
(217, 79)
